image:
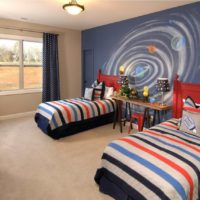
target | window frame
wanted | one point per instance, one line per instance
(21, 89)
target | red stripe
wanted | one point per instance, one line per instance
(165, 160)
(169, 125)
(172, 139)
(86, 108)
(187, 108)
(68, 114)
(103, 106)
(97, 95)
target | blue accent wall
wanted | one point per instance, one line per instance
(161, 44)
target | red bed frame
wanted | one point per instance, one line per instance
(109, 80)
(181, 91)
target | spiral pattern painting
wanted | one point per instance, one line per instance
(161, 47)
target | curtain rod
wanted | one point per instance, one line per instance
(26, 30)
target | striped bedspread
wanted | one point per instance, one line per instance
(158, 163)
(59, 113)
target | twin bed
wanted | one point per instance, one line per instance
(159, 163)
(69, 116)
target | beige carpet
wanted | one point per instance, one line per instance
(35, 167)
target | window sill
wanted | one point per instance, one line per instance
(23, 91)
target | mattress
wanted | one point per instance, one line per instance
(158, 163)
(55, 114)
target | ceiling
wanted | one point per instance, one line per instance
(97, 12)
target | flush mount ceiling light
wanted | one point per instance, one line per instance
(73, 7)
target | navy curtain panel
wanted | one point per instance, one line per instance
(51, 85)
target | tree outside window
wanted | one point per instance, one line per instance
(20, 64)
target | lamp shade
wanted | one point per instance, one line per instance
(123, 80)
(162, 85)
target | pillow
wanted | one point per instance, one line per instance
(96, 82)
(189, 102)
(100, 88)
(109, 91)
(97, 94)
(89, 94)
(190, 122)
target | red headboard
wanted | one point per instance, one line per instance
(109, 80)
(181, 91)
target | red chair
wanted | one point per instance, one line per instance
(139, 117)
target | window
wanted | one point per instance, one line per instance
(32, 63)
(20, 64)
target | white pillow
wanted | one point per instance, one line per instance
(95, 83)
(191, 117)
(109, 91)
(89, 93)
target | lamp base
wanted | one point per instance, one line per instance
(162, 103)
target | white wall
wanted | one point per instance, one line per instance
(69, 60)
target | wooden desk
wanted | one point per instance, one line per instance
(156, 107)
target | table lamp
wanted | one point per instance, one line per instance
(123, 79)
(162, 86)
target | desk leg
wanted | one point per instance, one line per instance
(126, 113)
(129, 107)
(158, 116)
(148, 118)
(154, 117)
(115, 117)
(118, 115)
(130, 114)
(144, 118)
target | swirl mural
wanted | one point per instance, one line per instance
(161, 47)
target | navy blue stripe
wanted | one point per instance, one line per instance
(173, 146)
(112, 103)
(78, 106)
(107, 104)
(167, 133)
(151, 166)
(137, 176)
(72, 107)
(188, 162)
(54, 121)
(59, 112)
(188, 135)
(130, 191)
(98, 109)
(88, 103)
(172, 122)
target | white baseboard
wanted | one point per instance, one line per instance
(17, 115)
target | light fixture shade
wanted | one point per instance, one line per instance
(73, 8)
